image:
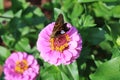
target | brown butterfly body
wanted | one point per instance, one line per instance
(60, 27)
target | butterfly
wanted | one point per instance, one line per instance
(60, 27)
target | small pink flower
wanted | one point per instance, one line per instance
(20, 66)
(61, 50)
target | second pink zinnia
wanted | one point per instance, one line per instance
(20, 66)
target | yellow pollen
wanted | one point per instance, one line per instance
(21, 66)
(58, 46)
(67, 37)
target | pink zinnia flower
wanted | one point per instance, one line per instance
(20, 66)
(61, 50)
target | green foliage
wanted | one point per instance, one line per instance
(98, 22)
(108, 71)
(4, 53)
(62, 72)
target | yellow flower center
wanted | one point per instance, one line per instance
(21, 66)
(60, 43)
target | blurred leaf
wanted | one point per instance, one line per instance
(115, 52)
(38, 12)
(16, 5)
(85, 1)
(28, 12)
(108, 71)
(6, 16)
(76, 13)
(101, 9)
(23, 45)
(8, 40)
(86, 21)
(75, 22)
(84, 55)
(56, 3)
(29, 15)
(67, 5)
(98, 63)
(18, 14)
(115, 28)
(118, 41)
(47, 6)
(50, 73)
(2, 31)
(77, 10)
(1, 6)
(24, 4)
(9, 14)
(96, 35)
(4, 53)
(14, 25)
(105, 45)
(40, 26)
(110, 0)
(116, 11)
(82, 1)
(24, 30)
(68, 72)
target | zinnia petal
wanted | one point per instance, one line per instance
(63, 49)
(22, 67)
(73, 44)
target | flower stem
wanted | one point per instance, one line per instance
(5, 17)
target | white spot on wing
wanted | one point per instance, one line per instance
(62, 32)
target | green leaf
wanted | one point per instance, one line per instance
(105, 45)
(18, 14)
(115, 28)
(96, 35)
(23, 45)
(50, 73)
(38, 12)
(115, 52)
(67, 5)
(17, 5)
(118, 41)
(116, 11)
(47, 6)
(110, 0)
(85, 1)
(77, 10)
(24, 30)
(2, 31)
(1, 6)
(7, 16)
(108, 71)
(101, 9)
(86, 21)
(4, 53)
(24, 3)
(70, 70)
(9, 40)
(63, 72)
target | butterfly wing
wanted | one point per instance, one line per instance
(59, 26)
